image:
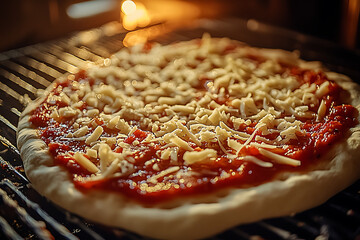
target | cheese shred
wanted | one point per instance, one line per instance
(241, 103)
(85, 162)
(279, 158)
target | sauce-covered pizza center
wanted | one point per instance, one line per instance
(159, 122)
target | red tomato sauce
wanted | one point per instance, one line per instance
(222, 173)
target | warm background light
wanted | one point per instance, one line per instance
(170, 13)
(38, 21)
(134, 15)
(128, 7)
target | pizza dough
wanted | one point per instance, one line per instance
(195, 216)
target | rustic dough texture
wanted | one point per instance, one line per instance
(197, 217)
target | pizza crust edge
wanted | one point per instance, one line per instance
(195, 217)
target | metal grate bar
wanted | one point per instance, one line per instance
(36, 226)
(111, 47)
(300, 226)
(292, 225)
(9, 91)
(331, 217)
(7, 123)
(99, 50)
(259, 229)
(17, 82)
(26, 73)
(55, 62)
(66, 57)
(84, 53)
(9, 114)
(39, 66)
(63, 51)
(15, 111)
(345, 211)
(280, 232)
(81, 225)
(8, 230)
(34, 211)
(9, 146)
(16, 175)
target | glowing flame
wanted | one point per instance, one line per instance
(134, 15)
(128, 7)
(171, 15)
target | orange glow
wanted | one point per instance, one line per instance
(351, 23)
(134, 15)
(164, 15)
(128, 7)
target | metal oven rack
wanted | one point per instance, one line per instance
(24, 214)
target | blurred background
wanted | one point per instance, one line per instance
(25, 22)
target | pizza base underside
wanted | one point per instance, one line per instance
(198, 216)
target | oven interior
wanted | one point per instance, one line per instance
(25, 71)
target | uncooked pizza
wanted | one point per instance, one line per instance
(189, 139)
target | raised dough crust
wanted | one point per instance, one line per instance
(197, 217)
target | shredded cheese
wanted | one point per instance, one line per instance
(194, 157)
(256, 161)
(154, 178)
(279, 158)
(95, 135)
(321, 111)
(250, 138)
(158, 92)
(180, 143)
(85, 162)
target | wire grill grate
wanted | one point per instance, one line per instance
(24, 214)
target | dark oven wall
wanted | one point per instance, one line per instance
(24, 214)
(24, 22)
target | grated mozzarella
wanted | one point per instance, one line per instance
(163, 173)
(321, 111)
(279, 158)
(256, 161)
(158, 92)
(95, 135)
(85, 162)
(194, 157)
